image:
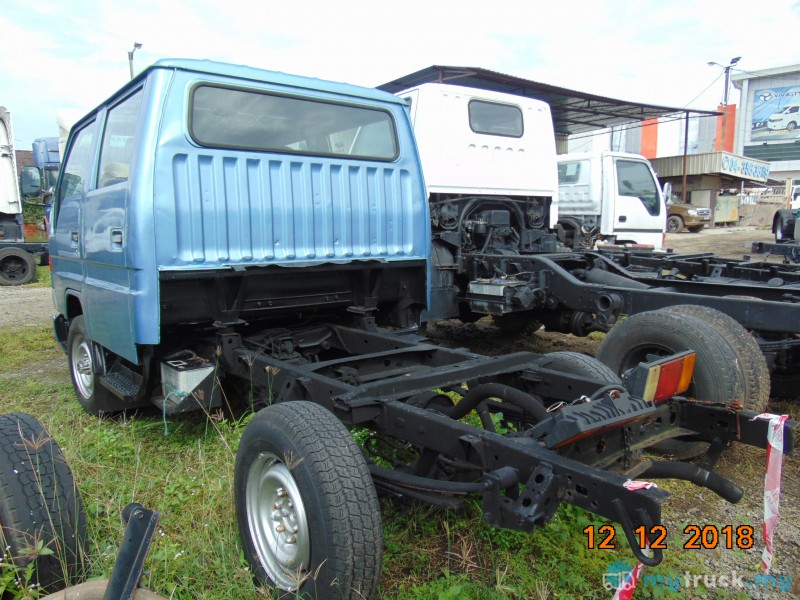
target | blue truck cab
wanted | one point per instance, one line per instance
(192, 197)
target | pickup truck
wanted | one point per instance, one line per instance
(687, 216)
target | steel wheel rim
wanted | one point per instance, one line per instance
(277, 521)
(82, 366)
(13, 268)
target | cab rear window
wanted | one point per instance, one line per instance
(493, 118)
(253, 120)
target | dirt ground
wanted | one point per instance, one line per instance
(32, 306)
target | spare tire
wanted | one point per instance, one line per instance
(718, 374)
(39, 504)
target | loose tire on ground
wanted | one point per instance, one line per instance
(87, 362)
(307, 510)
(674, 224)
(718, 376)
(749, 355)
(17, 267)
(39, 503)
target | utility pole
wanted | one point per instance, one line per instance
(136, 46)
(727, 70)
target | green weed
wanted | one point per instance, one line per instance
(188, 477)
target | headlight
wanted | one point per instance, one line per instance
(692, 212)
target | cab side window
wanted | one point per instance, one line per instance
(118, 141)
(78, 165)
(635, 179)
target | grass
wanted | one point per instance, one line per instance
(187, 476)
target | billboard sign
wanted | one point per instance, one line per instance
(776, 114)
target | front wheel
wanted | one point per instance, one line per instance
(674, 224)
(307, 510)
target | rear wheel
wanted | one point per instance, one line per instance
(674, 224)
(717, 376)
(40, 508)
(17, 267)
(750, 359)
(87, 363)
(308, 513)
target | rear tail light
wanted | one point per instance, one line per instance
(662, 379)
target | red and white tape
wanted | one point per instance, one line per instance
(772, 483)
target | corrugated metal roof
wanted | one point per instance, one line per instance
(573, 112)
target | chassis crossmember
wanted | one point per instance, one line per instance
(547, 436)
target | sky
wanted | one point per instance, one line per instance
(73, 54)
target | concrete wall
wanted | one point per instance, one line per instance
(760, 214)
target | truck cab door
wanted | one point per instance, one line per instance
(66, 249)
(638, 206)
(106, 236)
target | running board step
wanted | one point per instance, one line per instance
(123, 382)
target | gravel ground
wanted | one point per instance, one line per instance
(25, 305)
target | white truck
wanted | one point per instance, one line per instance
(613, 197)
(17, 257)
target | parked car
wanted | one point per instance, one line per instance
(687, 216)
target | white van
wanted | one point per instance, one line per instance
(788, 118)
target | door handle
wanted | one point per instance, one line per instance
(116, 238)
(73, 239)
(623, 218)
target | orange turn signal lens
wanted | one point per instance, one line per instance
(668, 377)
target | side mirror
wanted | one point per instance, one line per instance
(31, 182)
(667, 191)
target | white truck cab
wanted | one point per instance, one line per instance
(613, 197)
(479, 142)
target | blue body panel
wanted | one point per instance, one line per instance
(186, 208)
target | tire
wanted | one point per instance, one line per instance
(580, 364)
(784, 229)
(662, 333)
(87, 362)
(39, 503)
(298, 458)
(518, 324)
(17, 267)
(674, 224)
(749, 356)
(696, 229)
(791, 126)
